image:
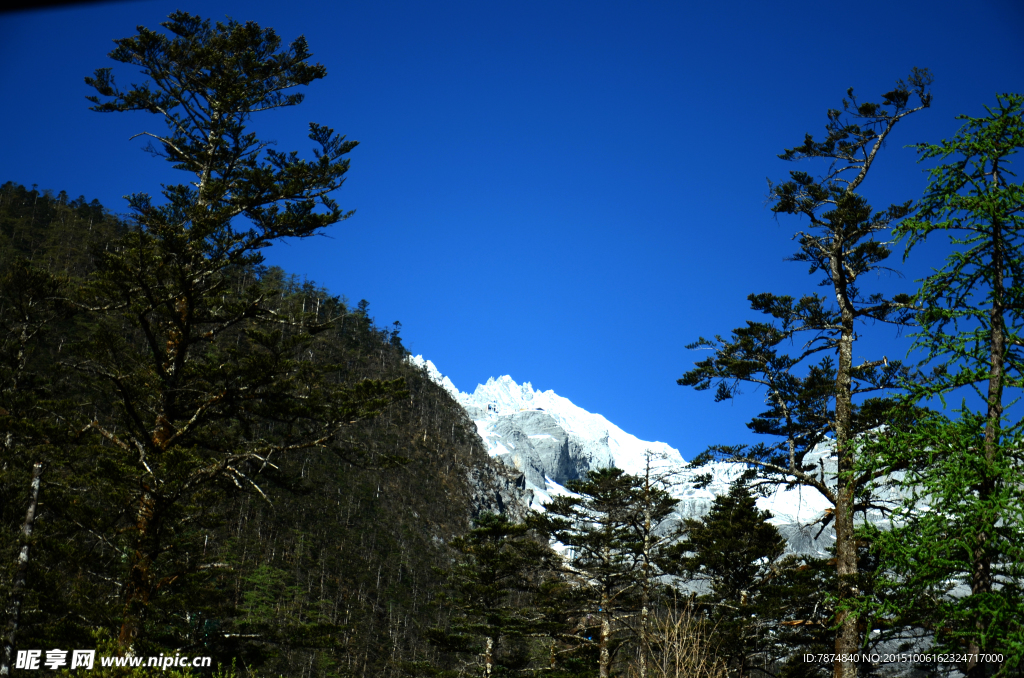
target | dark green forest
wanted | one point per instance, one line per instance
(207, 456)
(329, 564)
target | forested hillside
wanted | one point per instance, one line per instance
(328, 566)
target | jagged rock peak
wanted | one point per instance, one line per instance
(604, 443)
(550, 441)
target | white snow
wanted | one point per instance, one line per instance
(506, 397)
(799, 509)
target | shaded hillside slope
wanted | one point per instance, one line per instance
(331, 573)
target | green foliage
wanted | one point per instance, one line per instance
(733, 548)
(954, 551)
(210, 379)
(764, 607)
(841, 247)
(490, 597)
(611, 560)
(335, 574)
(944, 528)
(977, 293)
(207, 82)
(190, 376)
(811, 395)
(235, 462)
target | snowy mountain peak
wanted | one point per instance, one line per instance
(552, 441)
(604, 443)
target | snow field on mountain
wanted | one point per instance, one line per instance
(501, 409)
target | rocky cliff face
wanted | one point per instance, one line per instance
(499, 489)
(539, 447)
(546, 441)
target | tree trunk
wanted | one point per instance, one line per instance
(140, 577)
(18, 586)
(645, 590)
(848, 637)
(981, 565)
(604, 662)
(644, 643)
(489, 657)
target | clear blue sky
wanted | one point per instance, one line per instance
(566, 192)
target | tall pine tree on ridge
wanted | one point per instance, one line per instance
(841, 247)
(210, 384)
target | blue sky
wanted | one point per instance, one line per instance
(566, 192)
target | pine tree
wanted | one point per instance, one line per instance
(334, 576)
(962, 521)
(804, 410)
(767, 609)
(734, 552)
(489, 596)
(603, 529)
(198, 382)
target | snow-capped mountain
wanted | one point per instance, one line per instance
(552, 441)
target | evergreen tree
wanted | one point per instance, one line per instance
(767, 609)
(652, 508)
(962, 521)
(734, 553)
(336, 575)
(198, 381)
(841, 246)
(489, 596)
(608, 556)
